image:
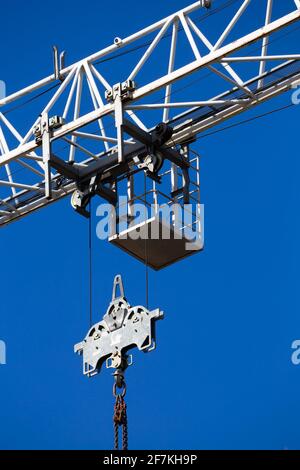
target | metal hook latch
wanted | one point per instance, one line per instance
(119, 383)
(126, 360)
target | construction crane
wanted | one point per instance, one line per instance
(122, 328)
(99, 130)
(115, 116)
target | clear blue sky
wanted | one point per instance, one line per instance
(221, 377)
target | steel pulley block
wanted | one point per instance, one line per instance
(122, 328)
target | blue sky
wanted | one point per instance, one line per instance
(221, 377)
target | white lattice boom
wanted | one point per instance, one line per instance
(219, 58)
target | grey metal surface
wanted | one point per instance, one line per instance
(86, 135)
(123, 327)
(160, 252)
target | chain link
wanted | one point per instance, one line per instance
(116, 435)
(120, 420)
(125, 433)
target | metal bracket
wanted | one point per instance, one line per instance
(123, 90)
(185, 189)
(53, 123)
(84, 193)
(118, 94)
(147, 153)
(155, 141)
(117, 361)
(59, 63)
(123, 327)
(42, 133)
(118, 283)
(46, 150)
(119, 118)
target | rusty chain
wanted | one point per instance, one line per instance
(120, 420)
(120, 410)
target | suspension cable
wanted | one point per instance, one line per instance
(166, 35)
(146, 247)
(90, 268)
(120, 419)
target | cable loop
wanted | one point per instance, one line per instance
(122, 393)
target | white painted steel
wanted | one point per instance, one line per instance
(84, 74)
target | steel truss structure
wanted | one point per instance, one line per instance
(99, 114)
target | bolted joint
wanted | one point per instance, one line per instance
(162, 133)
(54, 123)
(123, 90)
